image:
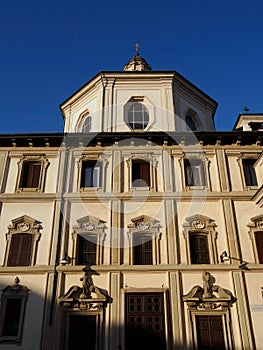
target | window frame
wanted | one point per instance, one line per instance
(91, 227)
(242, 157)
(142, 157)
(196, 235)
(193, 167)
(12, 292)
(144, 111)
(22, 225)
(205, 164)
(201, 225)
(255, 225)
(101, 163)
(147, 227)
(43, 162)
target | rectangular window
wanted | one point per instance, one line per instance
(199, 249)
(90, 174)
(20, 251)
(194, 172)
(210, 333)
(82, 333)
(259, 245)
(30, 175)
(12, 317)
(87, 250)
(144, 321)
(249, 172)
(140, 173)
(142, 250)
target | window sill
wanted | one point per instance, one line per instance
(29, 189)
(90, 189)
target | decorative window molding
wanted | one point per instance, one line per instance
(138, 113)
(87, 301)
(202, 226)
(22, 238)
(195, 171)
(92, 172)
(144, 230)
(247, 171)
(13, 304)
(151, 177)
(256, 235)
(92, 230)
(210, 300)
(32, 173)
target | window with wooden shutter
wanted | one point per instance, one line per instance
(141, 173)
(259, 245)
(20, 251)
(142, 250)
(30, 175)
(144, 321)
(210, 334)
(199, 249)
(249, 172)
(87, 250)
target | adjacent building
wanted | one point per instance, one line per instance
(138, 226)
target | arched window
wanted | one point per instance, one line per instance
(190, 122)
(137, 116)
(86, 124)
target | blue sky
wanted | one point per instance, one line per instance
(50, 48)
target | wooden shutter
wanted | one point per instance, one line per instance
(188, 173)
(144, 328)
(142, 250)
(30, 175)
(259, 244)
(20, 251)
(199, 249)
(87, 250)
(141, 173)
(210, 335)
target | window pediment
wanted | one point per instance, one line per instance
(24, 224)
(210, 296)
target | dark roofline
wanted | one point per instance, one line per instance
(152, 72)
(107, 139)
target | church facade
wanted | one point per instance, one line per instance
(138, 226)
